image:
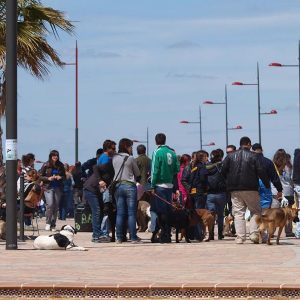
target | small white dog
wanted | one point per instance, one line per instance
(58, 241)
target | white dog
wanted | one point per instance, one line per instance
(58, 241)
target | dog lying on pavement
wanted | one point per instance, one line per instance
(273, 218)
(58, 241)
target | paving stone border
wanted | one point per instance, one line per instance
(152, 290)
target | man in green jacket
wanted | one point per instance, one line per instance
(164, 167)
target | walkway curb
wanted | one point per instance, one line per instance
(151, 290)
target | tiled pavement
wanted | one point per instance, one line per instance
(215, 262)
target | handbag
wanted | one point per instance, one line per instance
(112, 187)
(33, 198)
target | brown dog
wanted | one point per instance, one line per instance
(228, 221)
(273, 218)
(207, 221)
(142, 218)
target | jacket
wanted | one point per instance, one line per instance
(242, 169)
(271, 171)
(165, 166)
(92, 182)
(296, 167)
(144, 164)
(46, 171)
(198, 179)
(216, 181)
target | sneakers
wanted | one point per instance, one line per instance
(101, 239)
(290, 234)
(137, 241)
(104, 239)
(47, 227)
(254, 238)
(239, 240)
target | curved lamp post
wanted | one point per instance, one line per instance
(76, 99)
(199, 122)
(210, 102)
(258, 99)
(277, 64)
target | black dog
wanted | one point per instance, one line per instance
(179, 219)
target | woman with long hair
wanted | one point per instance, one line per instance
(184, 161)
(283, 165)
(216, 195)
(126, 174)
(52, 175)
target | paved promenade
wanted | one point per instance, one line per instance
(215, 262)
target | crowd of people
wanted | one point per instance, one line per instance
(112, 182)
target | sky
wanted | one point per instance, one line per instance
(151, 63)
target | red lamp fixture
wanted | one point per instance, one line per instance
(275, 64)
(237, 83)
(184, 122)
(208, 102)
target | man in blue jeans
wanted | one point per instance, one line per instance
(164, 167)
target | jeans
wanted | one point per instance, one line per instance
(94, 203)
(198, 201)
(53, 198)
(162, 208)
(66, 207)
(126, 200)
(216, 203)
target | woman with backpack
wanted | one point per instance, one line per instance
(216, 194)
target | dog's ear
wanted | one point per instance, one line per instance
(75, 230)
(63, 227)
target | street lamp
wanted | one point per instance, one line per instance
(272, 112)
(276, 64)
(199, 122)
(238, 127)
(258, 100)
(209, 144)
(144, 142)
(209, 102)
(76, 99)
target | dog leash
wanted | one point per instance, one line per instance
(164, 200)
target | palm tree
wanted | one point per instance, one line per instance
(35, 23)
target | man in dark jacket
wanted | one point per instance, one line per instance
(144, 164)
(269, 168)
(242, 170)
(88, 166)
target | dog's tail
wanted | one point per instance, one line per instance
(258, 220)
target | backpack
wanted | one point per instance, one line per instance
(216, 181)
